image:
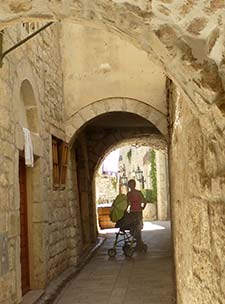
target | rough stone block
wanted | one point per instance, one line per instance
(100, 107)
(116, 104)
(4, 263)
(14, 223)
(5, 121)
(87, 113)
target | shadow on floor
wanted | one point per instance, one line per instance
(143, 278)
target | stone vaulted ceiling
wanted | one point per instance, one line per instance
(185, 36)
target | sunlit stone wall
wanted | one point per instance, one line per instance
(51, 217)
(198, 195)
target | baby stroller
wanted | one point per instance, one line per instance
(129, 228)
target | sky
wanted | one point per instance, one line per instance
(111, 162)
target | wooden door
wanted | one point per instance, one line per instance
(24, 255)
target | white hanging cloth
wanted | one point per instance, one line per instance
(29, 155)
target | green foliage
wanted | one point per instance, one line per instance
(114, 182)
(148, 195)
(129, 154)
(153, 176)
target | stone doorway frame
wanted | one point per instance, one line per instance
(113, 104)
(35, 206)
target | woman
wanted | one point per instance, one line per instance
(137, 203)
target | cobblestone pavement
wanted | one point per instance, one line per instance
(143, 278)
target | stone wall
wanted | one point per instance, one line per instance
(163, 200)
(172, 31)
(109, 67)
(105, 189)
(186, 37)
(137, 159)
(49, 217)
(198, 195)
(160, 210)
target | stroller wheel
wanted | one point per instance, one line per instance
(128, 251)
(125, 247)
(142, 247)
(145, 247)
(111, 252)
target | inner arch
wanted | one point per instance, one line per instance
(92, 142)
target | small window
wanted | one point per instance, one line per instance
(63, 164)
(60, 159)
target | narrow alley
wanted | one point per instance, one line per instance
(143, 278)
(80, 80)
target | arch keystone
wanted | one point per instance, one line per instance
(115, 104)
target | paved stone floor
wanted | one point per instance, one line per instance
(143, 278)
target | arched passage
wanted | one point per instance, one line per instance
(201, 79)
(146, 153)
(91, 143)
(169, 29)
(129, 105)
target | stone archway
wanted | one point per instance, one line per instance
(26, 113)
(169, 29)
(151, 141)
(90, 144)
(156, 141)
(129, 105)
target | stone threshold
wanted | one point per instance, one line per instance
(56, 286)
(32, 296)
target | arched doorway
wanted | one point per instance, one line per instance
(142, 159)
(27, 116)
(91, 143)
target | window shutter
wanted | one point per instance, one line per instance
(63, 165)
(55, 159)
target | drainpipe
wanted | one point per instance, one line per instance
(172, 222)
(170, 87)
(3, 54)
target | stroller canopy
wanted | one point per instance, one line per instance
(118, 208)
